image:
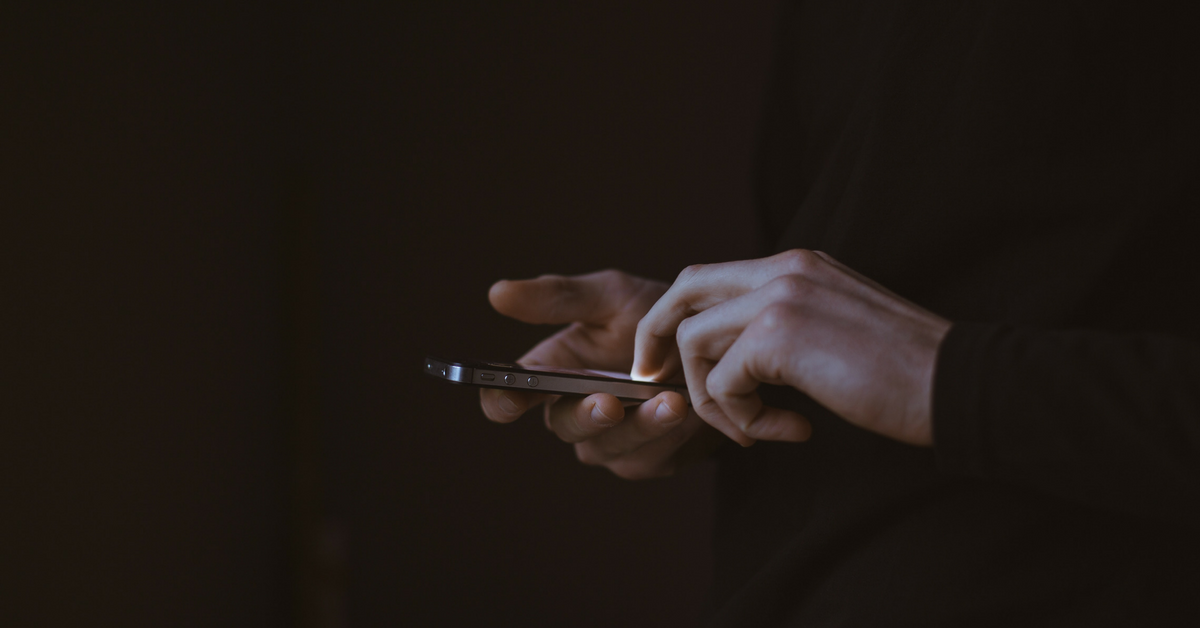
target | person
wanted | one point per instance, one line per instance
(1016, 439)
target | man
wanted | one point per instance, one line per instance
(1016, 440)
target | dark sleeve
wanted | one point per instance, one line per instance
(1109, 420)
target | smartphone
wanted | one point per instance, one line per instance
(547, 379)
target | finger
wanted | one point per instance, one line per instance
(777, 424)
(695, 370)
(733, 384)
(672, 367)
(556, 300)
(707, 408)
(709, 334)
(506, 406)
(550, 401)
(696, 289)
(558, 350)
(689, 441)
(758, 421)
(644, 423)
(693, 440)
(699, 288)
(704, 338)
(576, 419)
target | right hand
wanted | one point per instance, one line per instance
(602, 311)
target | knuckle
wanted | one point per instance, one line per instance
(800, 261)
(558, 282)
(685, 334)
(793, 287)
(779, 316)
(708, 409)
(690, 273)
(717, 389)
(613, 277)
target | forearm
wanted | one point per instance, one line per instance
(1112, 421)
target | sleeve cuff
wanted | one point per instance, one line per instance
(959, 404)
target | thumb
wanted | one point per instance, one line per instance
(558, 300)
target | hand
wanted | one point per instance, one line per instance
(801, 319)
(602, 311)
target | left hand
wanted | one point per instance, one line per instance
(802, 319)
(601, 311)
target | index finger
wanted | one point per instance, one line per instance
(699, 288)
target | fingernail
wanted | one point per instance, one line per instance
(507, 405)
(664, 413)
(599, 417)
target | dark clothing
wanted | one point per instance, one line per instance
(1029, 171)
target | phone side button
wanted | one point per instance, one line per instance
(532, 381)
(509, 379)
(487, 377)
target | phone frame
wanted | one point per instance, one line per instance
(532, 379)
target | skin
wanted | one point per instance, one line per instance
(799, 318)
(601, 311)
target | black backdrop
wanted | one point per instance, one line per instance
(230, 234)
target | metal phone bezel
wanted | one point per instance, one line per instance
(547, 382)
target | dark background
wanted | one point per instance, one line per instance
(230, 234)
